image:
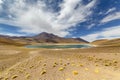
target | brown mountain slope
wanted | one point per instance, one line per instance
(51, 38)
(100, 41)
(105, 42)
(9, 41)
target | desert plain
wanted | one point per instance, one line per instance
(95, 63)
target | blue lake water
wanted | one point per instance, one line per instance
(59, 46)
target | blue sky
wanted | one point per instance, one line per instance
(88, 19)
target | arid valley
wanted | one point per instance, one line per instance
(59, 39)
(101, 62)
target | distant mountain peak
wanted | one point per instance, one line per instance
(45, 35)
(49, 37)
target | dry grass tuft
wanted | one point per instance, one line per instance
(14, 76)
(68, 79)
(28, 76)
(61, 68)
(86, 69)
(75, 72)
(97, 71)
(43, 72)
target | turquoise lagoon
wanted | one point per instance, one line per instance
(64, 46)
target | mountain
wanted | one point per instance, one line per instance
(51, 38)
(106, 42)
(6, 40)
(40, 38)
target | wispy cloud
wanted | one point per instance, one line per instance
(3, 32)
(1, 1)
(1, 5)
(91, 25)
(11, 34)
(110, 10)
(37, 17)
(74, 11)
(111, 17)
(107, 33)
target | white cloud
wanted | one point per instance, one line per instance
(1, 1)
(2, 32)
(91, 25)
(107, 33)
(70, 15)
(111, 10)
(111, 17)
(36, 18)
(1, 5)
(11, 34)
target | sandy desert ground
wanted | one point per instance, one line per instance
(99, 63)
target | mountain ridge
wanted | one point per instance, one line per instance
(40, 38)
